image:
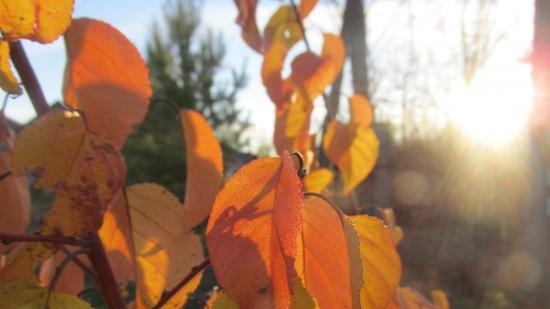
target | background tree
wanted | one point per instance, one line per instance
(185, 66)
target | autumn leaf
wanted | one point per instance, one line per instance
(247, 21)
(18, 294)
(317, 180)
(362, 269)
(353, 147)
(312, 73)
(388, 216)
(306, 6)
(409, 298)
(165, 250)
(84, 169)
(8, 82)
(302, 298)
(53, 19)
(204, 167)
(116, 236)
(257, 215)
(17, 18)
(292, 126)
(105, 78)
(222, 301)
(14, 190)
(281, 33)
(22, 259)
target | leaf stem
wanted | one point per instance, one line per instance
(194, 271)
(330, 110)
(7, 238)
(30, 82)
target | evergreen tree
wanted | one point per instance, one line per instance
(184, 68)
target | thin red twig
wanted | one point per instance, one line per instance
(57, 240)
(194, 271)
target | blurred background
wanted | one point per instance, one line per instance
(460, 90)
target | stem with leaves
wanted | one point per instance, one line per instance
(96, 254)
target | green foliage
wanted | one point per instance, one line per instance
(185, 66)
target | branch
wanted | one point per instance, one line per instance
(7, 238)
(194, 271)
(58, 271)
(4, 175)
(30, 82)
(80, 264)
(107, 283)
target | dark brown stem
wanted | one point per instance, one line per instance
(194, 271)
(107, 283)
(7, 238)
(4, 175)
(30, 82)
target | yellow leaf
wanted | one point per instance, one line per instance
(302, 298)
(106, 78)
(17, 18)
(20, 295)
(84, 169)
(8, 82)
(22, 259)
(292, 126)
(440, 299)
(353, 148)
(317, 180)
(204, 168)
(165, 251)
(380, 262)
(222, 301)
(53, 19)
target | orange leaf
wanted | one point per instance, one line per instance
(312, 74)
(14, 190)
(317, 180)
(53, 19)
(116, 237)
(363, 269)
(17, 18)
(257, 215)
(352, 147)
(306, 6)
(165, 250)
(204, 167)
(361, 111)
(8, 82)
(247, 21)
(105, 78)
(84, 169)
(409, 298)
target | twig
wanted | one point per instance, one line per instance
(80, 264)
(58, 271)
(7, 238)
(30, 82)
(107, 283)
(302, 172)
(194, 271)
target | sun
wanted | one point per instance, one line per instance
(493, 108)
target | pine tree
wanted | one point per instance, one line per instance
(184, 67)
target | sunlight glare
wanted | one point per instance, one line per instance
(494, 107)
